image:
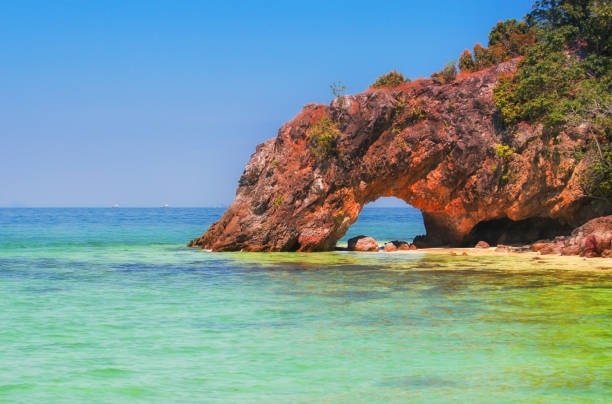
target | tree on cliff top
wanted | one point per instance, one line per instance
(565, 80)
(508, 39)
(588, 21)
(391, 79)
(567, 70)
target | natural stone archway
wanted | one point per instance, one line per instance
(386, 219)
(432, 146)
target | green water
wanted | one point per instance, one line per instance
(110, 316)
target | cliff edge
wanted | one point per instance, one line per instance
(442, 148)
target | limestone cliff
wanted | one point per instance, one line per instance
(440, 148)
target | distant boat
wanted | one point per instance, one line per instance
(165, 205)
(116, 205)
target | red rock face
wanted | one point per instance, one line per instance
(433, 146)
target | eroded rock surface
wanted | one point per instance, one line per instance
(433, 146)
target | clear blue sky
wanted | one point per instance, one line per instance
(144, 103)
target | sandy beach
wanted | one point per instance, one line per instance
(565, 262)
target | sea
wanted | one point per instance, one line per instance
(109, 305)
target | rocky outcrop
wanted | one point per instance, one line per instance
(593, 239)
(440, 148)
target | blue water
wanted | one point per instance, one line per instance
(108, 305)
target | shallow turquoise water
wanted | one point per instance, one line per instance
(107, 305)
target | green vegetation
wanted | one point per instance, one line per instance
(406, 113)
(503, 151)
(598, 183)
(564, 80)
(391, 79)
(511, 38)
(278, 201)
(467, 62)
(401, 143)
(566, 74)
(323, 137)
(446, 75)
(413, 112)
(508, 39)
(337, 89)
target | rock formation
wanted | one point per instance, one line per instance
(482, 244)
(440, 148)
(362, 243)
(593, 239)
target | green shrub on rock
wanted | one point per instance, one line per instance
(391, 79)
(446, 75)
(466, 62)
(322, 138)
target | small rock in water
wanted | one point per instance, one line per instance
(362, 243)
(390, 247)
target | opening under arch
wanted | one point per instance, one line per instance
(506, 231)
(386, 219)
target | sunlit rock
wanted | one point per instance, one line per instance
(362, 243)
(436, 147)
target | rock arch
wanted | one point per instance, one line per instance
(386, 219)
(432, 146)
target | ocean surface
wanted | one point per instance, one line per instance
(108, 305)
